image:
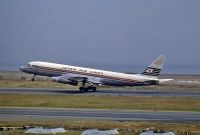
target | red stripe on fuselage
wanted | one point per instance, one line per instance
(83, 73)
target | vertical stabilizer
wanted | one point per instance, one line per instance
(155, 67)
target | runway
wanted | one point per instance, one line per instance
(92, 114)
(102, 92)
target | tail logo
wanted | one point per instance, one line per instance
(155, 67)
(149, 70)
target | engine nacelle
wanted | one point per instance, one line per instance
(65, 81)
(71, 82)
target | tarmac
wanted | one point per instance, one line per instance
(17, 113)
(102, 92)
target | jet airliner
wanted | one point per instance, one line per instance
(74, 75)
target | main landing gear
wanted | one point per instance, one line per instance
(86, 89)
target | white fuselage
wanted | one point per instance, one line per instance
(106, 77)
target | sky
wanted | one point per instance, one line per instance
(120, 35)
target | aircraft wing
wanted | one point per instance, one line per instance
(75, 78)
(94, 80)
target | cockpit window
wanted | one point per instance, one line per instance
(28, 65)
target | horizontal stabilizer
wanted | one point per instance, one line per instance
(164, 80)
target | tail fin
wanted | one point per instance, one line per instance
(155, 67)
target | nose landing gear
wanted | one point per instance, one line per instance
(33, 79)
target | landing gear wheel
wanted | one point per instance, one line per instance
(32, 79)
(94, 89)
(81, 89)
(85, 89)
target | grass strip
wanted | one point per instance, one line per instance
(101, 102)
(126, 128)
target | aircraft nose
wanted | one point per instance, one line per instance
(22, 68)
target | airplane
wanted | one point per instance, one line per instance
(74, 75)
